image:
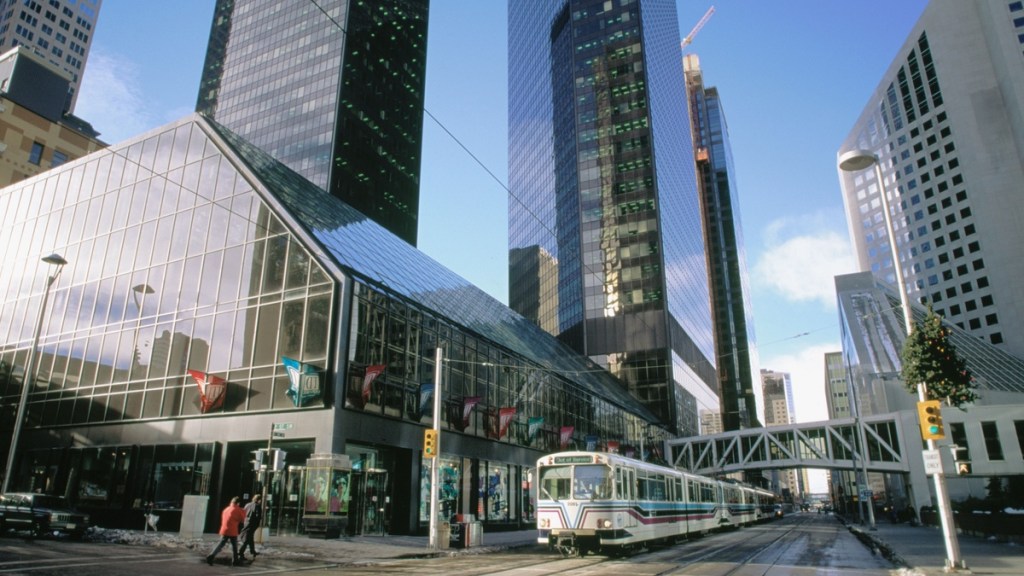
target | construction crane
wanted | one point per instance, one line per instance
(700, 24)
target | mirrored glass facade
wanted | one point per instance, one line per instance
(333, 89)
(604, 218)
(735, 342)
(175, 264)
(191, 251)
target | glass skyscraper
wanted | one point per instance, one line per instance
(603, 184)
(727, 260)
(333, 89)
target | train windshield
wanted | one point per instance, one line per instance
(581, 482)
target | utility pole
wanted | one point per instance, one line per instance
(435, 505)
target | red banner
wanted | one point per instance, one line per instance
(467, 407)
(372, 372)
(506, 415)
(211, 390)
(613, 447)
(565, 436)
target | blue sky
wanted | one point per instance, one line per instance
(793, 76)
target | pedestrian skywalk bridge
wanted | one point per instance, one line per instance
(891, 440)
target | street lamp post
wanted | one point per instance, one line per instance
(855, 161)
(862, 475)
(30, 369)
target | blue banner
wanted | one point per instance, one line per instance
(304, 381)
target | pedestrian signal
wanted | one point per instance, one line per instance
(429, 443)
(929, 414)
(963, 468)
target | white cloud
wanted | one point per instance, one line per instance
(111, 98)
(806, 368)
(802, 267)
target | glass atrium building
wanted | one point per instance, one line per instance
(604, 199)
(200, 272)
(333, 89)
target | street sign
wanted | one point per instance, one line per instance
(865, 494)
(282, 426)
(932, 462)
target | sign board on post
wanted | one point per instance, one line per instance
(932, 462)
(865, 494)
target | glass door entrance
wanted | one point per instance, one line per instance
(371, 502)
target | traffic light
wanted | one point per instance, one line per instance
(929, 415)
(429, 443)
(279, 459)
(257, 459)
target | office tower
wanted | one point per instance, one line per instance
(777, 388)
(837, 387)
(36, 133)
(947, 122)
(731, 309)
(59, 31)
(602, 180)
(333, 89)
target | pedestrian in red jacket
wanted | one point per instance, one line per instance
(231, 519)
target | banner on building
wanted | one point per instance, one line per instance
(467, 407)
(533, 425)
(212, 390)
(613, 447)
(305, 384)
(591, 442)
(426, 398)
(565, 436)
(499, 420)
(361, 399)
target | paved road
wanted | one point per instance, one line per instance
(166, 553)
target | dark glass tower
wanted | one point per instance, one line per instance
(727, 262)
(333, 89)
(603, 183)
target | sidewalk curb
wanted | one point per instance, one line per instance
(878, 546)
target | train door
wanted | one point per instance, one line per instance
(625, 485)
(370, 502)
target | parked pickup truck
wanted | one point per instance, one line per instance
(40, 514)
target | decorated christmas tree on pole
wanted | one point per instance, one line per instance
(930, 358)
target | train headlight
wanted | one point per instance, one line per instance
(545, 523)
(604, 523)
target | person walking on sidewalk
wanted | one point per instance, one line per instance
(231, 519)
(253, 519)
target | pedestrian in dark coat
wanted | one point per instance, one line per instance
(253, 519)
(231, 519)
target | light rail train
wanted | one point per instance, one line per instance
(610, 504)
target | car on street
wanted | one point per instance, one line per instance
(40, 515)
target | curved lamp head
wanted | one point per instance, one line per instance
(855, 160)
(55, 259)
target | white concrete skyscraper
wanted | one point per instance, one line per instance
(947, 123)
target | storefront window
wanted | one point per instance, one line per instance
(494, 504)
(449, 478)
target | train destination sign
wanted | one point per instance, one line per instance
(574, 460)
